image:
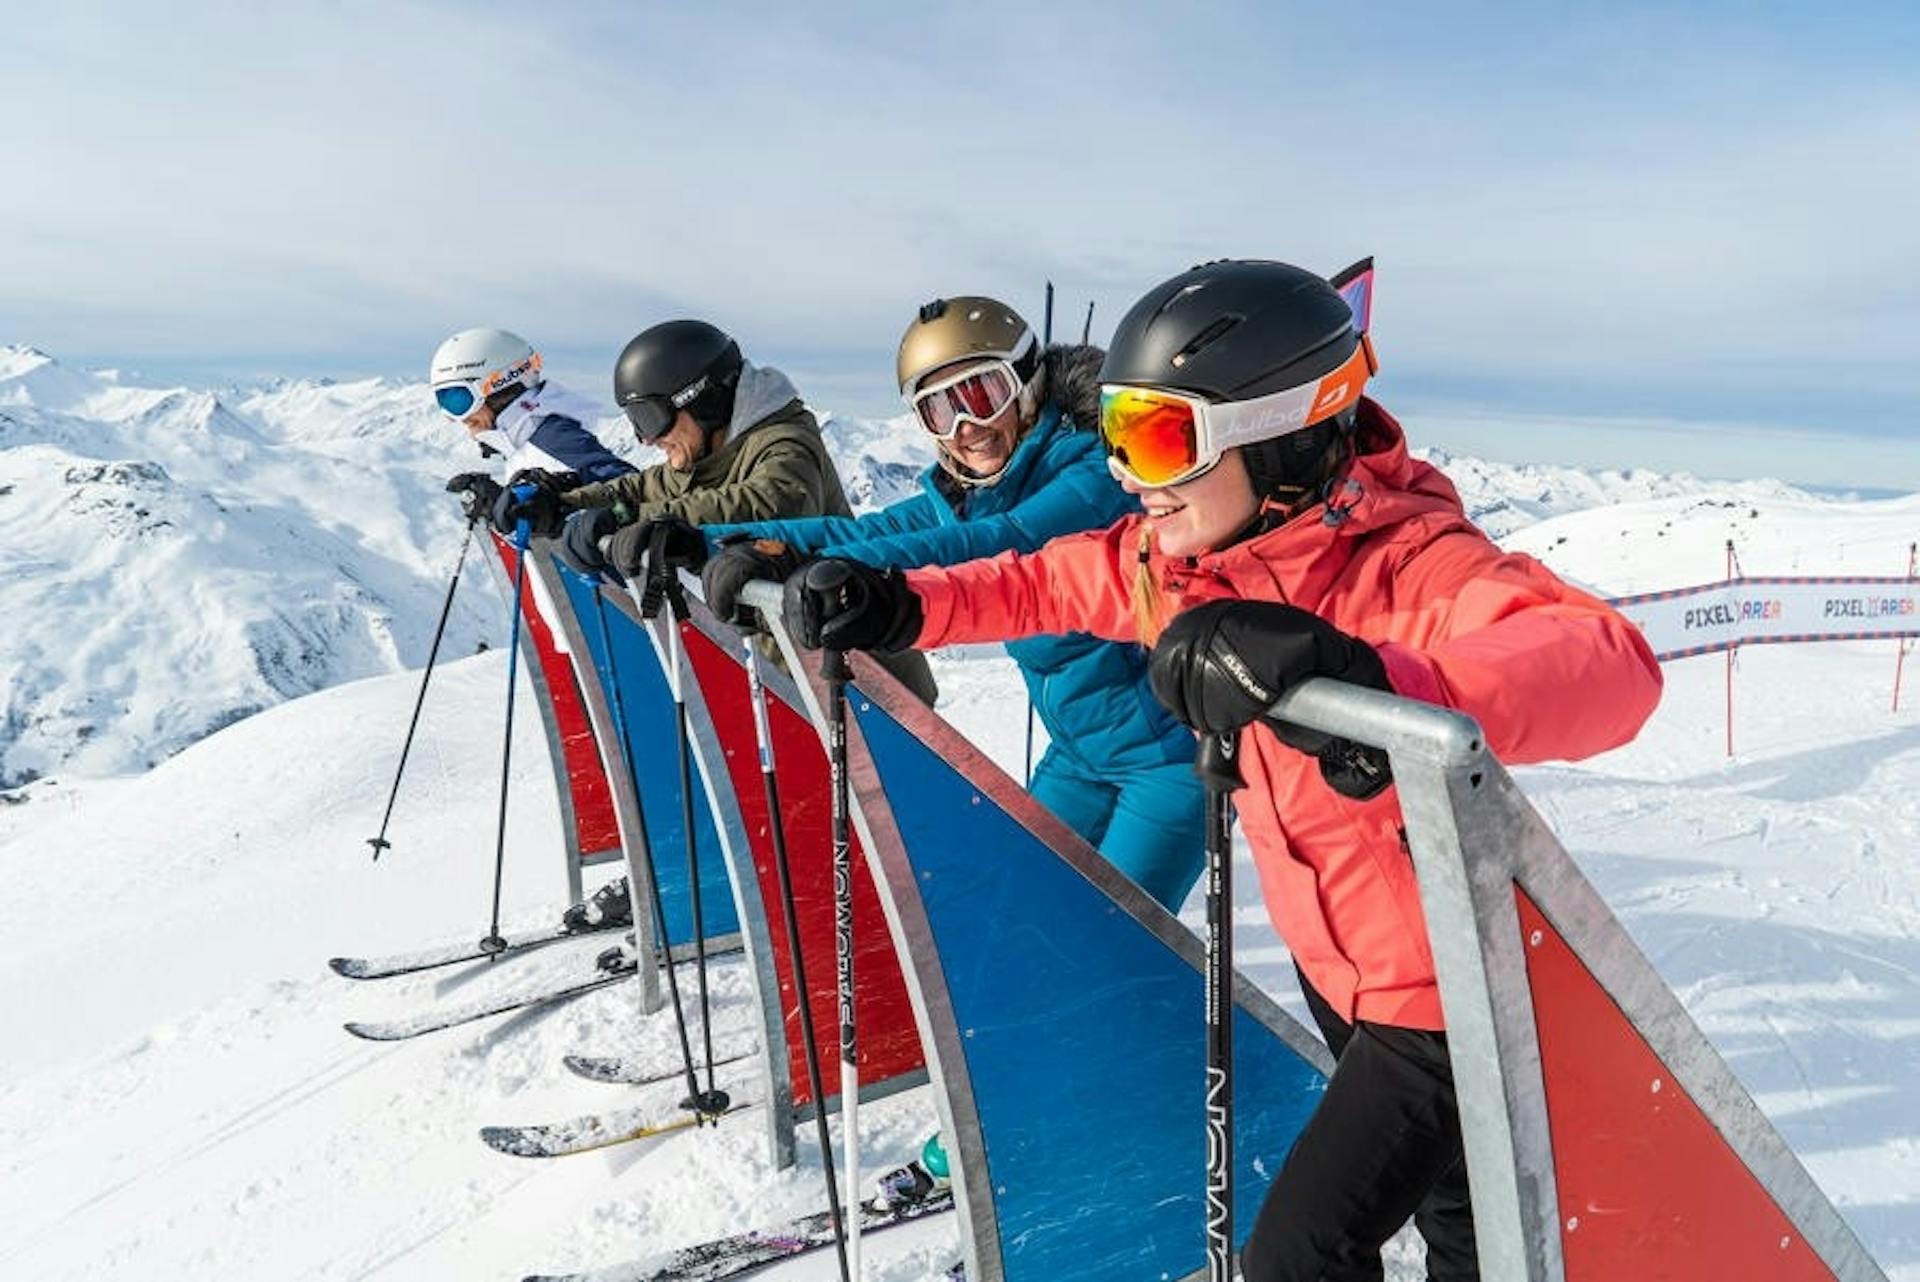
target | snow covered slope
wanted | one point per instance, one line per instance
(177, 1099)
(189, 557)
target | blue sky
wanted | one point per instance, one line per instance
(1611, 233)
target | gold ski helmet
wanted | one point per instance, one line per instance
(957, 329)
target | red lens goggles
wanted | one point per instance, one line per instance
(973, 395)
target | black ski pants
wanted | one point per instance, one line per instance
(1383, 1145)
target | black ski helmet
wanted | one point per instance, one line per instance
(677, 365)
(1237, 329)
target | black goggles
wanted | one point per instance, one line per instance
(652, 416)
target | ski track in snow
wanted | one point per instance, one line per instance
(178, 1099)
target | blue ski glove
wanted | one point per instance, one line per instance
(544, 510)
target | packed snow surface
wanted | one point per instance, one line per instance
(177, 1098)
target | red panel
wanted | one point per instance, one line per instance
(889, 1041)
(595, 827)
(1648, 1189)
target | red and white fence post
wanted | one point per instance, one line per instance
(1900, 659)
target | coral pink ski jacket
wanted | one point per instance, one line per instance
(1546, 669)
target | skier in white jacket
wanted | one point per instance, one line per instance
(491, 381)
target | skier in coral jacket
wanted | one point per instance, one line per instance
(1288, 535)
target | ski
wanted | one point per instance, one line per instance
(397, 1030)
(732, 1257)
(626, 1071)
(454, 954)
(594, 1131)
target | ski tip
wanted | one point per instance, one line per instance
(595, 1068)
(511, 1140)
(369, 1032)
(349, 967)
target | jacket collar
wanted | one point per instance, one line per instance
(1014, 479)
(1384, 486)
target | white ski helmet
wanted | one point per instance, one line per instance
(475, 365)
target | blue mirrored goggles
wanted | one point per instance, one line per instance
(456, 399)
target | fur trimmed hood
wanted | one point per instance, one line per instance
(1070, 382)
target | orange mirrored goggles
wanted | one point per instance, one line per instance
(1155, 437)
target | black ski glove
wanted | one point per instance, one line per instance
(844, 605)
(740, 560)
(682, 545)
(544, 510)
(579, 541)
(477, 493)
(1221, 665)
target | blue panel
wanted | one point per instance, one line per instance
(647, 700)
(1084, 1038)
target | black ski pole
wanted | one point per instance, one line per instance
(667, 585)
(1046, 340)
(809, 1042)
(833, 666)
(1086, 327)
(1218, 764)
(695, 1100)
(1027, 782)
(522, 535)
(380, 842)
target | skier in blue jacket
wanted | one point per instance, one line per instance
(1019, 464)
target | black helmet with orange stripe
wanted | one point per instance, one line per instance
(1241, 329)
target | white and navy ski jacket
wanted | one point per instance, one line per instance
(547, 429)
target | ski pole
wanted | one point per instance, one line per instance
(833, 666)
(1046, 341)
(663, 576)
(695, 1100)
(380, 842)
(1027, 782)
(809, 1042)
(1217, 763)
(522, 535)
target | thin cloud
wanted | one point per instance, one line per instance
(1607, 203)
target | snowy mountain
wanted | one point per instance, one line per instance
(1504, 497)
(191, 556)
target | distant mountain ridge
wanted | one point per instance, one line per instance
(182, 557)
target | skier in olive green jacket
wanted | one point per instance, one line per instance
(740, 446)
